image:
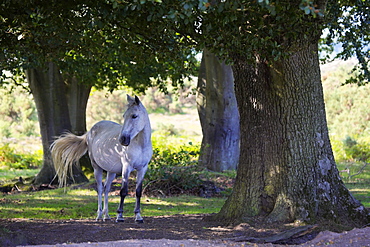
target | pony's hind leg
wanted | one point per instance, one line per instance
(139, 187)
(107, 186)
(98, 173)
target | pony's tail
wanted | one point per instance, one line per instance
(65, 152)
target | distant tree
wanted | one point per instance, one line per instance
(218, 114)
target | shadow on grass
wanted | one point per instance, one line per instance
(82, 204)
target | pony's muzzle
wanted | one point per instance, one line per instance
(124, 140)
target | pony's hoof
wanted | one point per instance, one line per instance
(120, 220)
(139, 221)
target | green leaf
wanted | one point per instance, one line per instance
(307, 10)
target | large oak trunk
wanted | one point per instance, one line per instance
(218, 114)
(286, 170)
(50, 94)
(78, 96)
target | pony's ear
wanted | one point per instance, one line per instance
(130, 99)
(137, 100)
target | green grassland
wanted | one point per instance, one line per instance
(82, 204)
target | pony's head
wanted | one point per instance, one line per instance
(135, 120)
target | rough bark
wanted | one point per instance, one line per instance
(218, 115)
(77, 96)
(49, 92)
(287, 170)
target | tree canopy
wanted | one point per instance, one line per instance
(110, 42)
(91, 41)
(242, 27)
(348, 24)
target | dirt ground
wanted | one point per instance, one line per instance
(179, 230)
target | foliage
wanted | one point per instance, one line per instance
(240, 28)
(357, 150)
(173, 101)
(227, 27)
(81, 204)
(18, 115)
(346, 105)
(174, 170)
(348, 25)
(112, 105)
(9, 159)
(94, 42)
(353, 159)
(348, 121)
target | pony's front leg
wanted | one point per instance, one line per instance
(123, 193)
(139, 188)
(137, 211)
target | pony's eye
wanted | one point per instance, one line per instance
(134, 116)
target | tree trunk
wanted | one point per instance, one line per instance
(49, 92)
(77, 95)
(218, 115)
(287, 170)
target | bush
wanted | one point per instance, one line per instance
(354, 160)
(174, 171)
(338, 150)
(166, 130)
(18, 116)
(9, 159)
(357, 150)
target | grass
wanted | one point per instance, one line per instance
(358, 185)
(6, 175)
(361, 192)
(82, 204)
(186, 126)
(350, 169)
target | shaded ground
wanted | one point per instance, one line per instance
(180, 230)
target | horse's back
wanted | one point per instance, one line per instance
(105, 127)
(104, 147)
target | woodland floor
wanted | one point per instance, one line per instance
(178, 230)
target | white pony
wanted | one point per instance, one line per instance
(112, 148)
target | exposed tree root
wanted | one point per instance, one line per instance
(278, 238)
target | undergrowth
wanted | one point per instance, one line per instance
(174, 170)
(9, 158)
(14, 165)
